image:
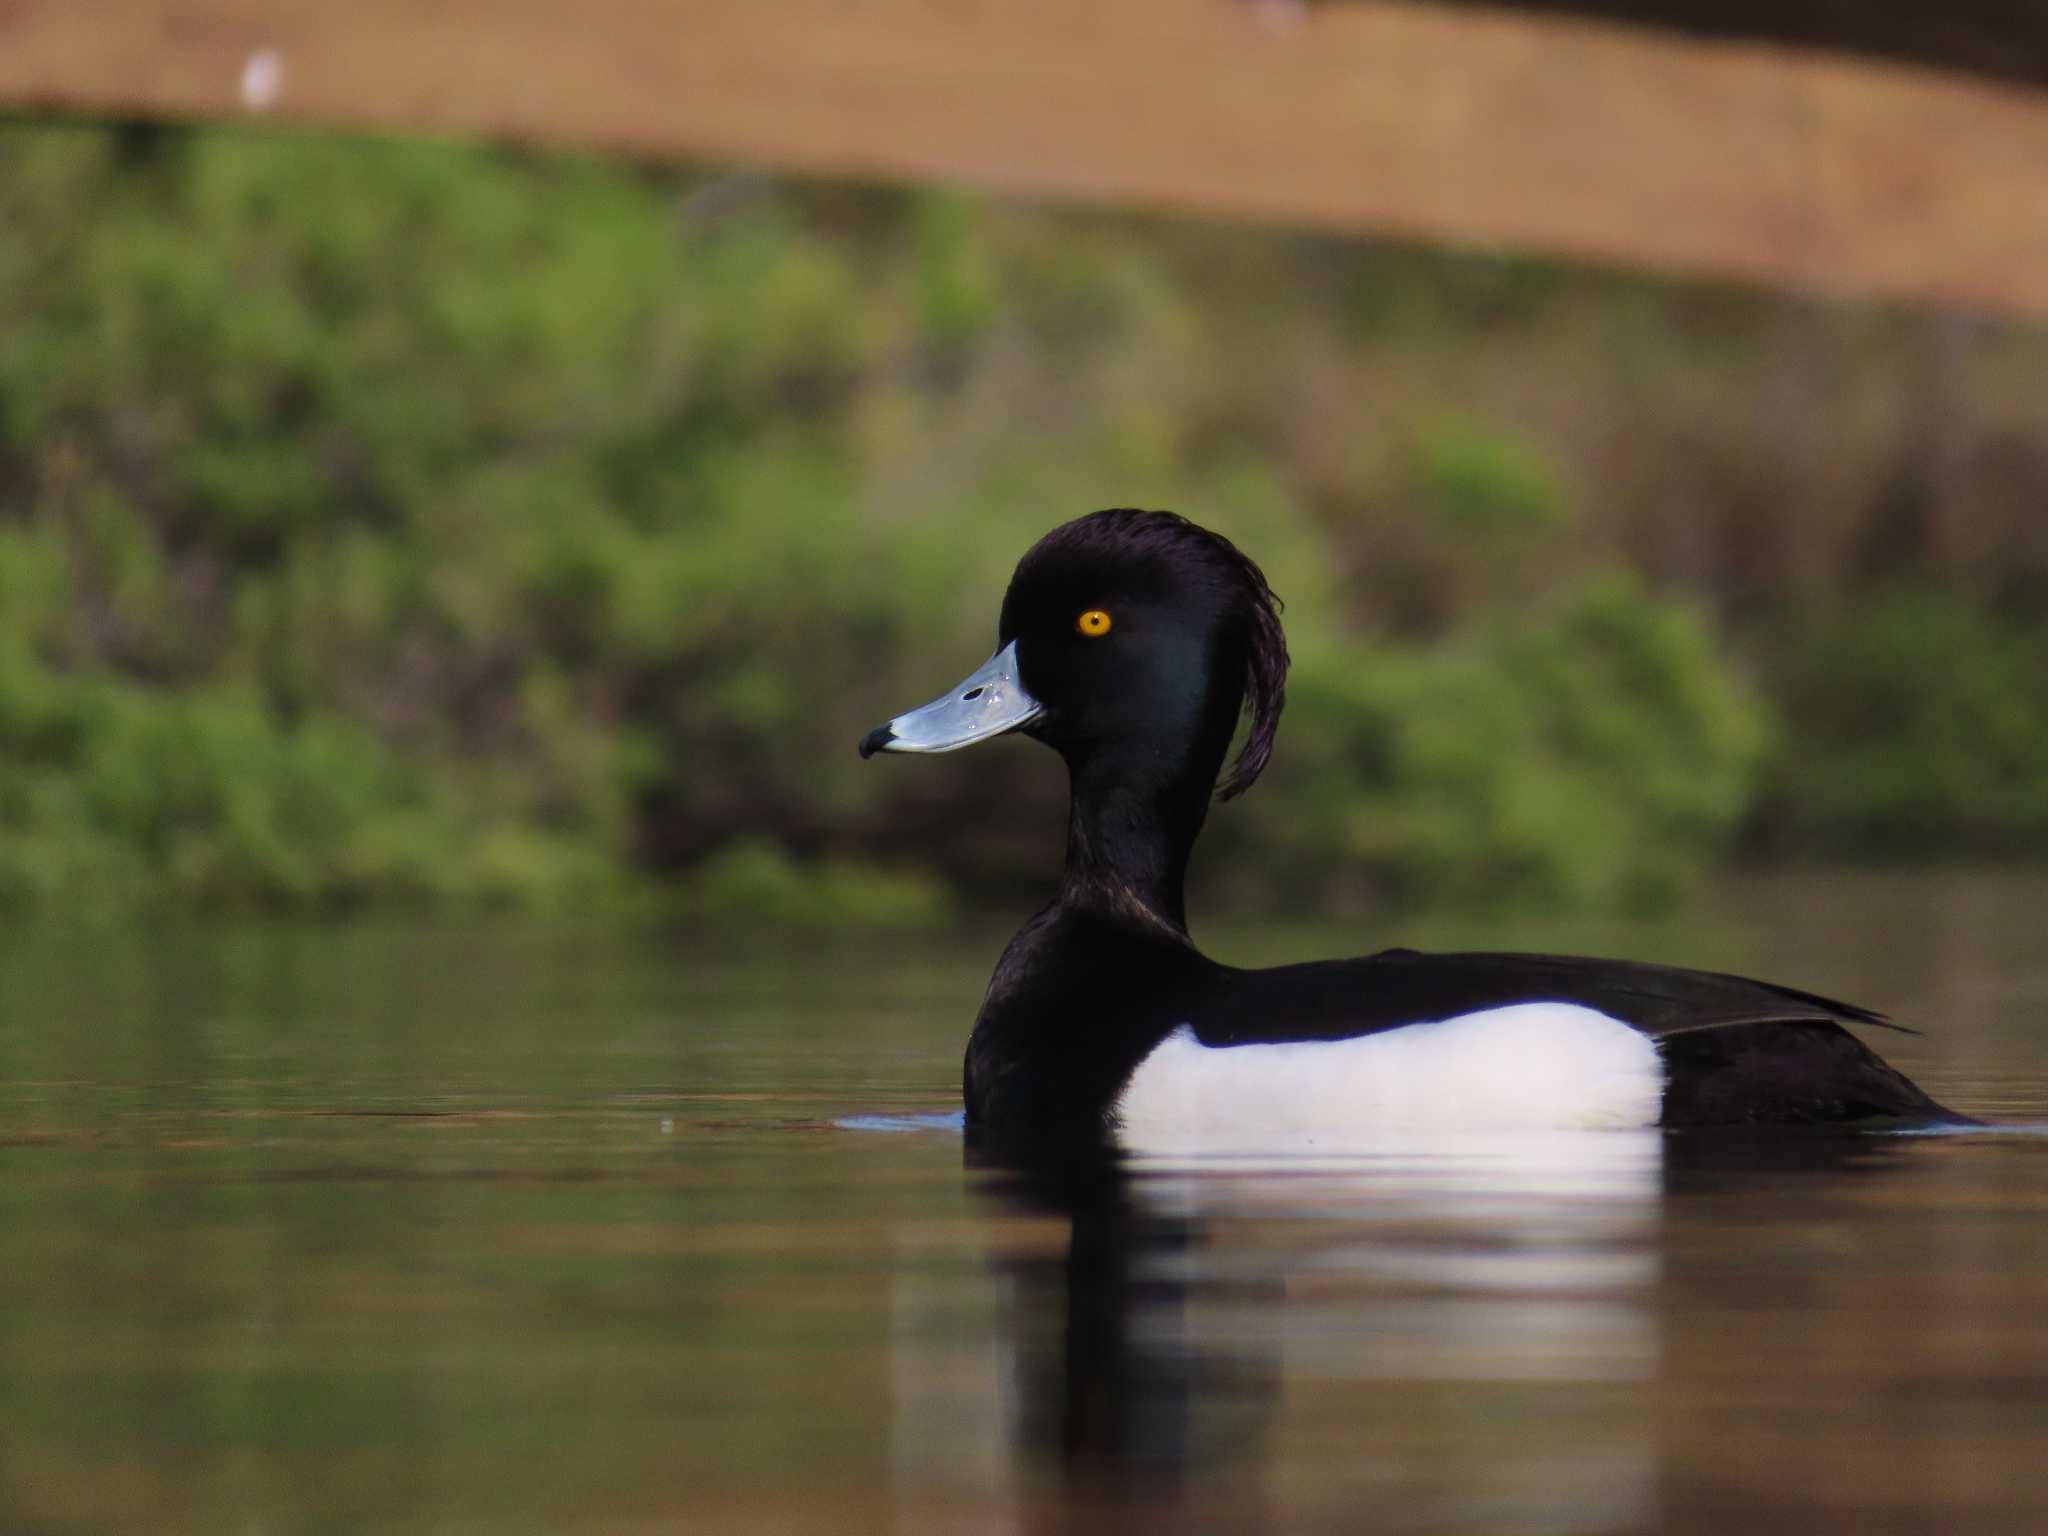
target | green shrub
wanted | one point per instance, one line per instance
(1917, 727)
(757, 880)
(405, 522)
(1480, 484)
(1597, 751)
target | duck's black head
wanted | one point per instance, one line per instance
(1129, 641)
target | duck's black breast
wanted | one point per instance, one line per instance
(1077, 1001)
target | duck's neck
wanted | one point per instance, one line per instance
(1131, 825)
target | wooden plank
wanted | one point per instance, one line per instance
(1460, 125)
(1999, 39)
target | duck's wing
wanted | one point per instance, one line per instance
(1342, 999)
(1734, 1051)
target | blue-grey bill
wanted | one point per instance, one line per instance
(987, 704)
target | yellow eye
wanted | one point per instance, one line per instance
(1094, 623)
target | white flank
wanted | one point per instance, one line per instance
(1531, 1067)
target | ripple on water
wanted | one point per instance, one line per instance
(954, 1123)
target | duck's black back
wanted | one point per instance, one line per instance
(1340, 999)
(1735, 1050)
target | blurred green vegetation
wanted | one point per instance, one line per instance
(402, 522)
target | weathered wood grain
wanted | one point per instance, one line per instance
(1460, 125)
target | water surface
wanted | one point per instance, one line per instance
(504, 1228)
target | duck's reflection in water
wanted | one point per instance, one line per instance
(1429, 1330)
(1497, 1335)
(1470, 1335)
(1096, 1368)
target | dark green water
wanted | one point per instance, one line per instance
(418, 1228)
